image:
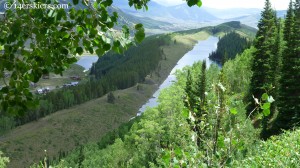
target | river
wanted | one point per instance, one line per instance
(200, 52)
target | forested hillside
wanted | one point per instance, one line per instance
(125, 70)
(222, 29)
(229, 46)
(205, 120)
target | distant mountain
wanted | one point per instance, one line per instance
(131, 20)
(232, 12)
(198, 16)
(124, 17)
(161, 19)
(252, 19)
(194, 13)
(248, 16)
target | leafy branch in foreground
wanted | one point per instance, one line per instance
(40, 41)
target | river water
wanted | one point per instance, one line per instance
(200, 52)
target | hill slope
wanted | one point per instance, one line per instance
(221, 29)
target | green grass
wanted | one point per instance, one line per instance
(67, 128)
(278, 151)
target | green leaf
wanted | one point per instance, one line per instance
(185, 113)
(64, 51)
(192, 2)
(266, 106)
(178, 152)
(66, 35)
(233, 111)
(265, 97)
(167, 158)
(79, 30)
(93, 33)
(106, 47)
(140, 34)
(95, 4)
(86, 43)
(221, 141)
(138, 26)
(91, 50)
(199, 3)
(72, 13)
(100, 52)
(79, 50)
(266, 112)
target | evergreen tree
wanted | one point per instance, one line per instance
(200, 88)
(275, 76)
(200, 106)
(190, 101)
(289, 94)
(288, 25)
(262, 78)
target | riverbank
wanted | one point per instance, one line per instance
(199, 52)
(65, 129)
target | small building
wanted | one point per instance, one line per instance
(32, 84)
(71, 84)
(75, 77)
(67, 85)
(46, 76)
(39, 91)
(74, 83)
(43, 90)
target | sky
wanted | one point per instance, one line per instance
(221, 4)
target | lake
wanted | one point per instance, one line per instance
(200, 52)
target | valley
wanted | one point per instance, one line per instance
(66, 129)
(150, 83)
(86, 123)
